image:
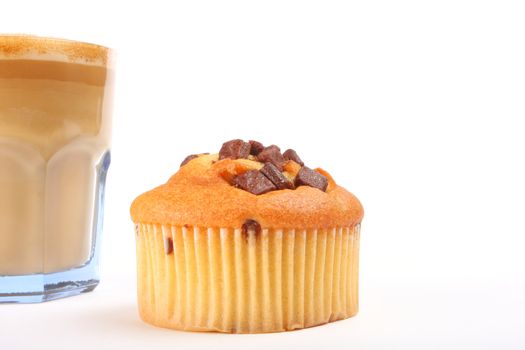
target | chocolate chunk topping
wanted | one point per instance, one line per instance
(290, 154)
(234, 149)
(251, 226)
(272, 154)
(255, 147)
(168, 245)
(187, 159)
(276, 177)
(190, 157)
(271, 177)
(254, 182)
(309, 177)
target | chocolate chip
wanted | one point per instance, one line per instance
(309, 177)
(187, 159)
(234, 149)
(251, 226)
(168, 245)
(290, 154)
(190, 157)
(254, 182)
(272, 154)
(276, 177)
(255, 147)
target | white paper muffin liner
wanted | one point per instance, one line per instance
(219, 279)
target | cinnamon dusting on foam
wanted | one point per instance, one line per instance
(34, 47)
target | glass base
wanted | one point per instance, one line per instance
(38, 288)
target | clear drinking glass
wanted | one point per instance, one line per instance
(55, 126)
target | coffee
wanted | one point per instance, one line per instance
(55, 100)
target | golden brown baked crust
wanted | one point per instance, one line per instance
(199, 195)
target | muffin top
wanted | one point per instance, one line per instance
(248, 182)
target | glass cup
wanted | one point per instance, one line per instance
(55, 126)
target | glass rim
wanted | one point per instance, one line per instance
(24, 46)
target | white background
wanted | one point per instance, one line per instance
(415, 106)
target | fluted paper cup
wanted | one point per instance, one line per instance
(227, 280)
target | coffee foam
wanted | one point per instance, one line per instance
(28, 47)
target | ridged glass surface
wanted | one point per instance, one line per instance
(43, 285)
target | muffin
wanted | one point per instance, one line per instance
(248, 240)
